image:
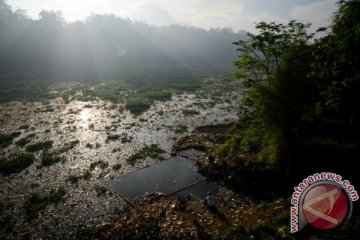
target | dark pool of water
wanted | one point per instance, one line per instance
(176, 177)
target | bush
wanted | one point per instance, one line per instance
(100, 190)
(73, 178)
(36, 202)
(181, 129)
(6, 139)
(25, 140)
(158, 95)
(69, 145)
(138, 106)
(117, 166)
(39, 146)
(153, 151)
(189, 112)
(99, 163)
(112, 137)
(49, 159)
(16, 163)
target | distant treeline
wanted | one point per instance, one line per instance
(103, 43)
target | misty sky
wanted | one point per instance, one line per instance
(237, 14)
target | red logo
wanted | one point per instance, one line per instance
(325, 206)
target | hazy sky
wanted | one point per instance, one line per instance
(237, 14)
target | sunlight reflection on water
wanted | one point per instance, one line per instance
(85, 116)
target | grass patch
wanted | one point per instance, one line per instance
(159, 95)
(37, 202)
(99, 163)
(117, 166)
(112, 137)
(49, 159)
(16, 163)
(125, 138)
(138, 106)
(190, 112)
(25, 140)
(48, 109)
(181, 129)
(89, 145)
(153, 151)
(69, 145)
(5, 139)
(76, 178)
(100, 190)
(39, 146)
(24, 127)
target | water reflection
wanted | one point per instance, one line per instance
(85, 116)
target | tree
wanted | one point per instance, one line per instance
(336, 65)
(260, 56)
(274, 64)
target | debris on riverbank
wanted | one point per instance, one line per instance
(162, 218)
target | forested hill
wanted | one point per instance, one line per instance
(104, 43)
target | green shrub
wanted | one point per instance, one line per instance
(112, 137)
(189, 112)
(181, 129)
(138, 106)
(100, 190)
(125, 138)
(24, 127)
(6, 139)
(160, 95)
(16, 163)
(73, 178)
(36, 202)
(99, 163)
(25, 140)
(39, 146)
(153, 151)
(49, 159)
(117, 166)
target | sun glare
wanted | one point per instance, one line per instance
(85, 117)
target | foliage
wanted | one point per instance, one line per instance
(137, 106)
(117, 166)
(336, 66)
(300, 91)
(189, 112)
(25, 140)
(158, 95)
(181, 129)
(75, 178)
(100, 190)
(5, 139)
(36, 202)
(261, 55)
(152, 151)
(16, 163)
(99, 163)
(39, 146)
(49, 159)
(112, 137)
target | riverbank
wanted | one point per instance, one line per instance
(237, 215)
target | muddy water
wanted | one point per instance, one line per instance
(90, 123)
